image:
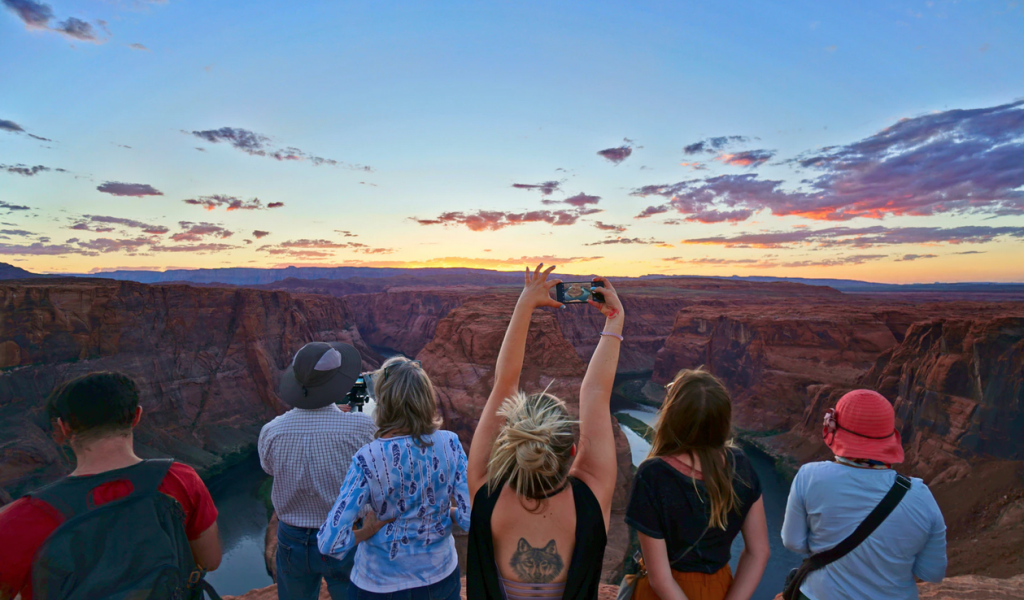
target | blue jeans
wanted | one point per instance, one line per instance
(300, 566)
(449, 588)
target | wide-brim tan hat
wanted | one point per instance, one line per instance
(321, 374)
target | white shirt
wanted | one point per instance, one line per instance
(308, 452)
(827, 501)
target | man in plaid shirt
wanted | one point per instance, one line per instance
(308, 451)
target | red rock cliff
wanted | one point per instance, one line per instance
(208, 361)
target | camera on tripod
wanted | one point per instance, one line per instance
(361, 392)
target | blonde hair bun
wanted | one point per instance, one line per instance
(534, 448)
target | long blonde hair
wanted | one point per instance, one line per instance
(696, 419)
(406, 400)
(534, 448)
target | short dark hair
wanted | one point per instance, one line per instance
(96, 404)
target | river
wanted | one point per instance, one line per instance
(243, 517)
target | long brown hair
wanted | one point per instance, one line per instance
(696, 419)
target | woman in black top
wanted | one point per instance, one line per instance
(691, 498)
(539, 520)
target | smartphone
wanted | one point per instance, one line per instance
(577, 292)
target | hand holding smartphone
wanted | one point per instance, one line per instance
(577, 292)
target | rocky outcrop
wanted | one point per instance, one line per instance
(403, 319)
(208, 361)
(958, 387)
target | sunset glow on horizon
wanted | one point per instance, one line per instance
(786, 139)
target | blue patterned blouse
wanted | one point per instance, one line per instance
(398, 478)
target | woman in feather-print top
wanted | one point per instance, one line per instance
(412, 479)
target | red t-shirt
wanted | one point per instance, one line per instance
(26, 523)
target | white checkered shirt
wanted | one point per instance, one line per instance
(308, 452)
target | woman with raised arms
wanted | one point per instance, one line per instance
(540, 518)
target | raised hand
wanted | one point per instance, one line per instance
(612, 305)
(537, 290)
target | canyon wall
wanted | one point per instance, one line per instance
(208, 361)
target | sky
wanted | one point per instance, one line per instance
(880, 141)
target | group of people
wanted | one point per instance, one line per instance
(368, 504)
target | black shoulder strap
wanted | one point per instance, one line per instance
(72, 496)
(899, 488)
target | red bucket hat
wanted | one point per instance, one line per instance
(863, 425)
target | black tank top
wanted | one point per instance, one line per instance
(587, 557)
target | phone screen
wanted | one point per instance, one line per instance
(577, 292)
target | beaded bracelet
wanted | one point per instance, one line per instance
(612, 334)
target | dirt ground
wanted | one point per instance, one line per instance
(985, 520)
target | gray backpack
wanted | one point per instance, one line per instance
(134, 548)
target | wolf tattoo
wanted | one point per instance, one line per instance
(536, 565)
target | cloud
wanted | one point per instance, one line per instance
(835, 262)
(35, 15)
(77, 29)
(346, 233)
(40, 249)
(477, 263)
(87, 221)
(13, 207)
(138, 46)
(971, 252)
(910, 257)
(961, 161)
(28, 171)
(546, 188)
(12, 127)
(304, 243)
(107, 245)
(620, 240)
(231, 203)
(493, 220)
(616, 155)
(198, 248)
(713, 261)
(195, 232)
(746, 158)
(651, 211)
(579, 200)
(136, 190)
(257, 144)
(714, 144)
(16, 232)
(258, 234)
(863, 237)
(609, 227)
(377, 250)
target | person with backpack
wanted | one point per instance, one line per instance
(117, 523)
(691, 498)
(870, 530)
(307, 451)
(542, 504)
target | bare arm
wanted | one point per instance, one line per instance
(659, 570)
(206, 548)
(754, 557)
(506, 373)
(595, 465)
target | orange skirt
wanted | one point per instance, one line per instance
(696, 586)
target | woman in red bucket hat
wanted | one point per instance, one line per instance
(830, 500)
